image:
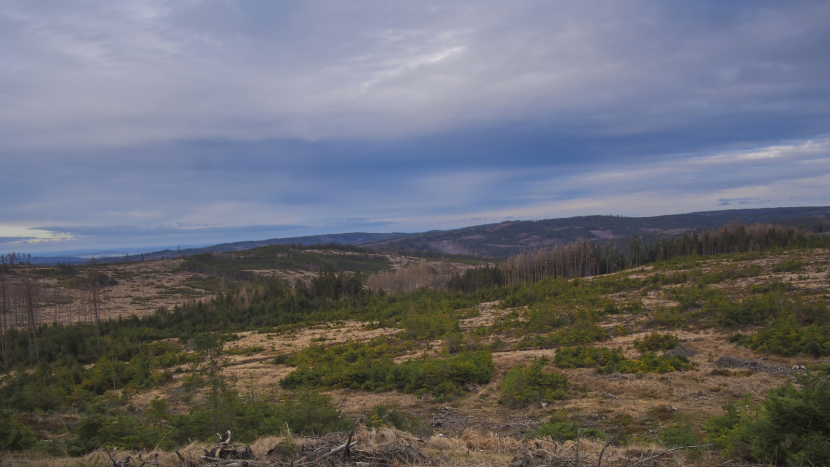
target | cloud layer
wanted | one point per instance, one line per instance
(157, 122)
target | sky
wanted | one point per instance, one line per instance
(154, 123)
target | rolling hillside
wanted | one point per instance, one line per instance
(509, 237)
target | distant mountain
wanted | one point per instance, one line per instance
(355, 238)
(506, 238)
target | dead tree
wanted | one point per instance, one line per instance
(4, 325)
(95, 301)
(129, 461)
(224, 450)
(32, 315)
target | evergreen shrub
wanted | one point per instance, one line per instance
(523, 385)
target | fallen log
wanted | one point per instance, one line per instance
(330, 453)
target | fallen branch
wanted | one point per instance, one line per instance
(601, 453)
(118, 463)
(333, 451)
(663, 453)
(144, 462)
(185, 462)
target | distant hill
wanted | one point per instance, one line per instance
(506, 238)
(355, 238)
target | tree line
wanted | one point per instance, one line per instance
(25, 304)
(15, 258)
(583, 258)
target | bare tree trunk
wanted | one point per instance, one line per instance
(95, 302)
(30, 307)
(4, 322)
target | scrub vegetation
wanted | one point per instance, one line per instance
(717, 339)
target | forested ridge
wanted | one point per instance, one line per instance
(516, 236)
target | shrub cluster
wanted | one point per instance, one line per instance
(763, 304)
(304, 413)
(582, 333)
(656, 341)
(790, 265)
(792, 427)
(560, 428)
(383, 416)
(787, 337)
(66, 381)
(752, 310)
(797, 326)
(444, 378)
(611, 360)
(523, 385)
(14, 436)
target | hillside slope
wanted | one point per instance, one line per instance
(509, 237)
(647, 356)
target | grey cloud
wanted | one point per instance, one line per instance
(137, 71)
(177, 119)
(4, 240)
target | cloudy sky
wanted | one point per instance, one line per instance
(187, 122)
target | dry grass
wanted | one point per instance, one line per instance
(487, 314)
(142, 288)
(373, 438)
(473, 440)
(488, 441)
(97, 458)
(288, 275)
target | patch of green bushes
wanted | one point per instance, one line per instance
(304, 413)
(785, 336)
(727, 432)
(693, 297)
(122, 431)
(790, 265)
(582, 333)
(523, 385)
(650, 362)
(14, 436)
(674, 317)
(754, 309)
(656, 341)
(444, 378)
(350, 352)
(430, 321)
(729, 273)
(560, 428)
(383, 416)
(792, 427)
(589, 357)
(680, 433)
(612, 360)
(563, 294)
